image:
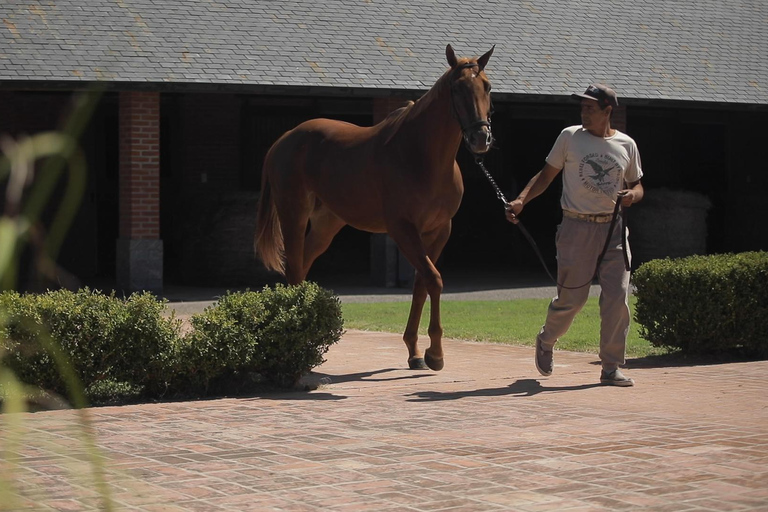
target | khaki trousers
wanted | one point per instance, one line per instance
(579, 244)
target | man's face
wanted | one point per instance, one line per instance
(591, 114)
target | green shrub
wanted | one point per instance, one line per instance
(103, 338)
(275, 336)
(125, 349)
(223, 345)
(300, 324)
(705, 304)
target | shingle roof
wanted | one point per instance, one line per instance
(703, 50)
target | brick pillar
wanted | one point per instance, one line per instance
(139, 248)
(389, 268)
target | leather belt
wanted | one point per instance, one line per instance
(600, 218)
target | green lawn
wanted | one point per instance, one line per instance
(515, 322)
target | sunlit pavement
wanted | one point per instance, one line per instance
(485, 433)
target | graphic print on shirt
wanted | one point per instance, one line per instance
(600, 173)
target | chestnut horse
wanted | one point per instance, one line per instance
(398, 177)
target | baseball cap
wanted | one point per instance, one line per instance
(603, 94)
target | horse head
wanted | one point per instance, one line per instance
(471, 99)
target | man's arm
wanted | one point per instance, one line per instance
(632, 194)
(535, 187)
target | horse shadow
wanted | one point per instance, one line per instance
(519, 388)
(367, 376)
(326, 378)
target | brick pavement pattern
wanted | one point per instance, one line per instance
(487, 433)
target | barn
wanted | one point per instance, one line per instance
(183, 99)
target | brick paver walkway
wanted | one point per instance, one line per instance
(486, 433)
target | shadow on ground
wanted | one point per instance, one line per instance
(366, 376)
(520, 388)
(679, 359)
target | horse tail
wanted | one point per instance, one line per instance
(268, 239)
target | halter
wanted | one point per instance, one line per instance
(466, 130)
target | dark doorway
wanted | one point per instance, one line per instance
(482, 239)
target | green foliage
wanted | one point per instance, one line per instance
(103, 337)
(26, 196)
(300, 324)
(223, 346)
(121, 349)
(705, 304)
(513, 322)
(278, 334)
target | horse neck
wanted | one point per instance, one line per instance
(432, 126)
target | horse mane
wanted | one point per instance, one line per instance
(398, 116)
(395, 119)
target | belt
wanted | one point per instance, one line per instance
(600, 218)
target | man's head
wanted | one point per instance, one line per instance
(597, 105)
(602, 94)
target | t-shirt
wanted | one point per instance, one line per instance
(594, 168)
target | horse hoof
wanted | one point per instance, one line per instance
(434, 363)
(417, 363)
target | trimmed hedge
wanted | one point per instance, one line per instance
(122, 348)
(274, 336)
(103, 338)
(705, 304)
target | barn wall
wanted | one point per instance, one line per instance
(212, 146)
(27, 113)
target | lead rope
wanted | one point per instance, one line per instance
(616, 212)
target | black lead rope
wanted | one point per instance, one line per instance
(617, 211)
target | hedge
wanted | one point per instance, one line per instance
(102, 337)
(122, 348)
(705, 304)
(273, 336)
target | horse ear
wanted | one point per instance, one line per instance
(482, 61)
(452, 61)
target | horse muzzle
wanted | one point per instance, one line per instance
(479, 137)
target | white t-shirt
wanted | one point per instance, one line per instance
(594, 168)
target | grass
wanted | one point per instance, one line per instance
(514, 322)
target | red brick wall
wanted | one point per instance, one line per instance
(139, 165)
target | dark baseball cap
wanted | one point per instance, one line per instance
(603, 94)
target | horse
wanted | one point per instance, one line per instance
(399, 177)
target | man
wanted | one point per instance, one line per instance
(600, 166)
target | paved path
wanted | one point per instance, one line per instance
(487, 433)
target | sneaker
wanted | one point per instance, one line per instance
(615, 378)
(544, 360)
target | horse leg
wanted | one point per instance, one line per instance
(433, 356)
(411, 334)
(293, 221)
(428, 282)
(435, 241)
(323, 226)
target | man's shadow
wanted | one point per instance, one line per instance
(519, 388)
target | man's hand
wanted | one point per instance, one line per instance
(627, 197)
(513, 210)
